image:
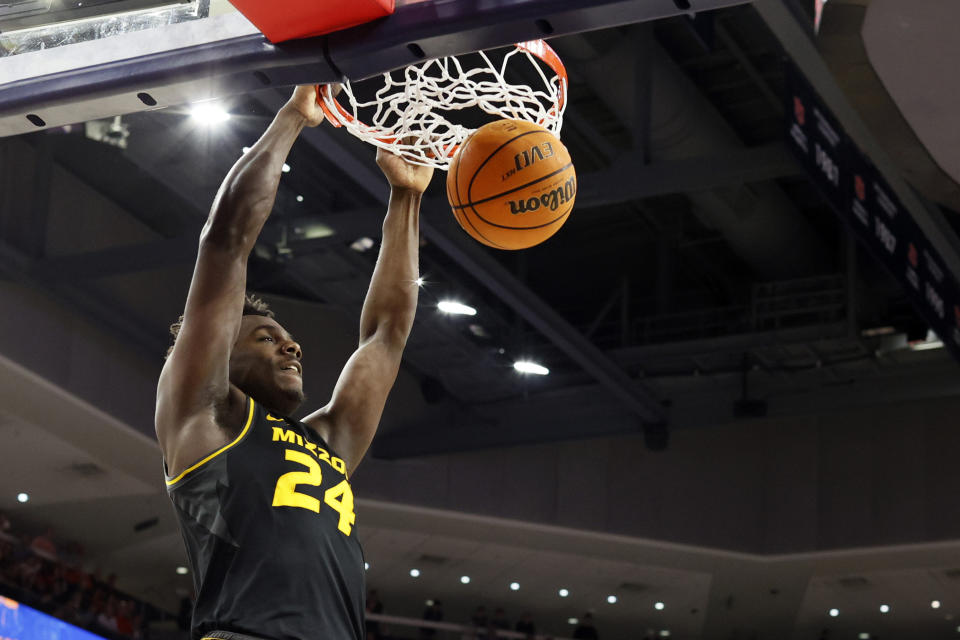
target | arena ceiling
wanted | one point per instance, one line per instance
(699, 255)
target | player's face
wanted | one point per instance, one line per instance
(265, 364)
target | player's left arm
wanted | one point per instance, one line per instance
(349, 422)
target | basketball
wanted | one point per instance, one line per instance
(511, 184)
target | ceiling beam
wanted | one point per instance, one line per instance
(171, 252)
(626, 181)
(630, 179)
(705, 400)
(527, 304)
(119, 260)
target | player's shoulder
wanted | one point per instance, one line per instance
(186, 438)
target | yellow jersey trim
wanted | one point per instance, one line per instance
(213, 455)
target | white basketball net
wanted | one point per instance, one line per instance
(406, 115)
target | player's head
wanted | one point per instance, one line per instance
(265, 359)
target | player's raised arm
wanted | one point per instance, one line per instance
(349, 422)
(194, 397)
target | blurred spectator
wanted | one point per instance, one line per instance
(186, 613)
(27, 573)
(499, 622)
(481, 622)
(525, 624)
(434, 613)
(139, 624)
(43, 545)
(479, 618)
(71, 610)
(373, 606)
(585, 630)
(107, 618)
(499, 619)
(124, 618)
(31, 573)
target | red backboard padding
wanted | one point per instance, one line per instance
(281, 20)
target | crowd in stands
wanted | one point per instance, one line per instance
(47, 575)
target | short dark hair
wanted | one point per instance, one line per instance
(252, 306)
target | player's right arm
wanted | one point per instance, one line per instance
(196, 404)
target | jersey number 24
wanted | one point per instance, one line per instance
(339, 497)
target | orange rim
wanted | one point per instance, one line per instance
(537, 48)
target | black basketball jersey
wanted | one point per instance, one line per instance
(270, 533)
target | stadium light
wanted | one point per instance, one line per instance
(525, 366)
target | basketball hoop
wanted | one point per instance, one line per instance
(407, 117)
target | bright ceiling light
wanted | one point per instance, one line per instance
(209, 113)
(420, 282)
(414, 573)
(878, 331)
(465, 579)
(182, 571)
(455, 308)
(299, 198)
(362, 244)
(314, 230)
(612, 599)
(245, 149)
(665, 633)
(22, 497)
(525, 366)
(658, 606)
(935, 604)
(834, 613)
(884, 608)
(286, 168)
(572, 621)
(563, 593)
(864, 636)
(478, 330)
(366, 565)
(931, 341)
(514, 586)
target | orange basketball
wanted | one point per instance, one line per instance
(511, 184)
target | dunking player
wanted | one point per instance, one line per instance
(264, 501)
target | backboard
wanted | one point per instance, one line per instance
(135, 57)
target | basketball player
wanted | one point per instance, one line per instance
(264, 500)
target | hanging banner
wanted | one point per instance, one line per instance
(860, 195)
